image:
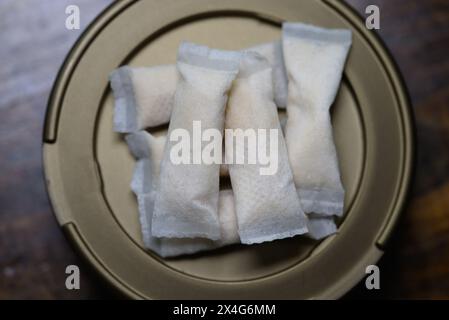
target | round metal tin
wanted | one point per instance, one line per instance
(88, 167)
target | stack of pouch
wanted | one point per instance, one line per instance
(181, 208)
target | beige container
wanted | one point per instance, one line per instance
(88, 167)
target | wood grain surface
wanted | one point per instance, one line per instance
(33, 251)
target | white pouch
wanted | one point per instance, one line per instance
(267, 205)
(187, 201)
(314, 58)
(148, 151)
(144, 96)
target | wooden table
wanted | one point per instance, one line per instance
(33, 251)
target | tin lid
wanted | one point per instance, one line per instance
(88, 167)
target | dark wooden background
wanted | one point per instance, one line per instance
(33, 251)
